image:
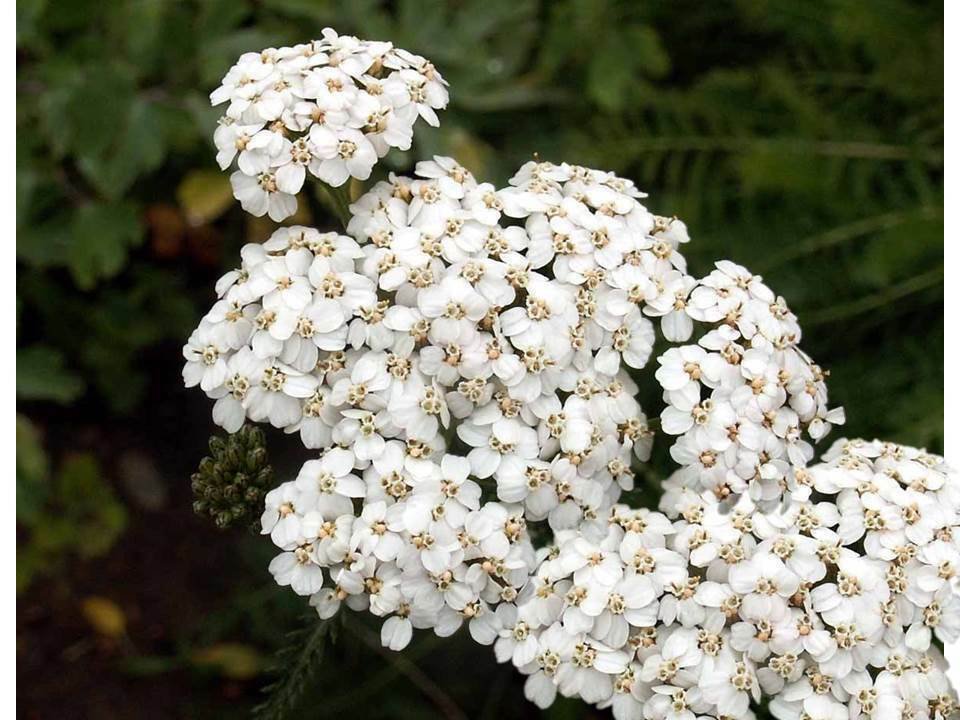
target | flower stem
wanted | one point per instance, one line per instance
(337, 201)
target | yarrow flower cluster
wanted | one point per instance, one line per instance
(828, 605)
(331, 107)
(427, 354)
(744, 399)
(464, 363)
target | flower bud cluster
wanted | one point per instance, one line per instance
(231, 483)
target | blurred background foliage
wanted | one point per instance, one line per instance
(803, 139)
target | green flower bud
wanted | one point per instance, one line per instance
(230, 484)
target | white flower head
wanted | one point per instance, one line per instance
(464, 365)
(331, 108)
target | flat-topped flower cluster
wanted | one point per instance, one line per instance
(464, 361)
(827, 605)
(331, 107)
(745, 398)
(433, 332)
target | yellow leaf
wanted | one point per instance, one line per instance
(105, 616)
(233, 660)
(204, 195)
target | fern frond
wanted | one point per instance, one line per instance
(845, 232)
(886, 297)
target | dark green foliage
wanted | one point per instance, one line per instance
(65, 514)
(230, 484)
(41, 375)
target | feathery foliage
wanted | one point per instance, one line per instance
(295, 665)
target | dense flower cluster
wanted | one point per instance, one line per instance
(332, 107)
(434, 331)
(464, 358)
(745, 397)
(828, 604)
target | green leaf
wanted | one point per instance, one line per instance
(142, 27)
(30, 564)
(28, 16)
(895, 252)
(136, 148)
(564, 709)
(74, 17)
(617, 69)
(28, 178)
(91, 518)
(216, 18)
(105, 332)
(45, 244)
(87, 107)
(149, 665)
(610, 75)
(32, 471)
(302, 8)
(78, 515)
(42, 375)
(101, 236)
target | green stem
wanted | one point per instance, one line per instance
(337, 201)
(446, 706)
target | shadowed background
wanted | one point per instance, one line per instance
(802, 139)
